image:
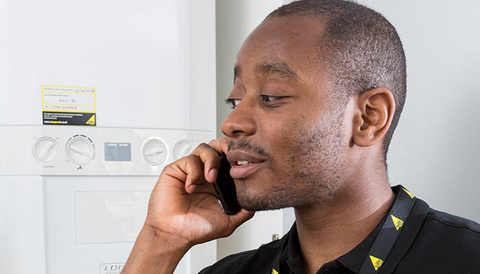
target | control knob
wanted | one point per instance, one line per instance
(154, 151)
(80, 149)
(45, 150)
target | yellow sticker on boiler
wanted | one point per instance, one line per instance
(68, 105)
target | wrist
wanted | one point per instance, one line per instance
(162, 241)
(155, 252)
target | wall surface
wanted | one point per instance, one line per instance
(434, 151)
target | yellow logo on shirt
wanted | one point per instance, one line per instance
(377, 263)
(274, 271)
(409, 193)
(397, 222)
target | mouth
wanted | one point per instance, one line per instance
(243, 164)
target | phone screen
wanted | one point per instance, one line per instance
(225, 188)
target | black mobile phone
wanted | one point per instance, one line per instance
(225, 188)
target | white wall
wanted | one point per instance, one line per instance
(434, 152)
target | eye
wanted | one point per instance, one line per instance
(267, 98)
(233, 102)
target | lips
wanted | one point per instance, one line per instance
(243, 164)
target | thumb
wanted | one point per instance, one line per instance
(239, 218)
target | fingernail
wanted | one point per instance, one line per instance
(212, 174)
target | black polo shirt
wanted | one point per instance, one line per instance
(430, 242)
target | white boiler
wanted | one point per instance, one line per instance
(96, 97)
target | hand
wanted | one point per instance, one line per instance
(183, 211)
(184, 206)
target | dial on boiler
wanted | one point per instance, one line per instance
(45, 150)
(80, 149)
(154, 151)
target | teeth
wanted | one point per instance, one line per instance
(243, 163)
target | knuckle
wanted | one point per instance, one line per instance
(203, 145)
(192, 157)
(170, 171)
(201, 149)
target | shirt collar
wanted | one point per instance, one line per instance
(289, 259)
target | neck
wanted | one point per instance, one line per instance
(327, 232)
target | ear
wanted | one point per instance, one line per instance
(373, 116)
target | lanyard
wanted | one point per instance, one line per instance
(386, 238)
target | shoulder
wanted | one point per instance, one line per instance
(450, 231)
(445, 244)
(450, 221)
(253, 261)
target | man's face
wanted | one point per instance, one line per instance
(287, 140)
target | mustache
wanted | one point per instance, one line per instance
(248, 147)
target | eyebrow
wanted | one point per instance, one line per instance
(277, 67)
(236, 73)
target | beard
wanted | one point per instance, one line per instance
(308, 177)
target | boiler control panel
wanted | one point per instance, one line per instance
(79, 150)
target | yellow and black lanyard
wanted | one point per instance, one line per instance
(386, 238)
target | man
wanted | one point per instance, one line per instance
(319, 88)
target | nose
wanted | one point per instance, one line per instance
(241, 121)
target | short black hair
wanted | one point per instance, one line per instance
(360, 49)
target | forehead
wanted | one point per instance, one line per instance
(287, 46)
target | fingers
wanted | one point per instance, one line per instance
(219, 145)
(199, 167)
(210, 160)
(193, 171)
(200, 212)
(209, 155)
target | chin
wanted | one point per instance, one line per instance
(261, 202)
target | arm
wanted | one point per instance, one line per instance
(183, 211)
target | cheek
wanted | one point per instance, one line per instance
(293, 135)
(289, 144)
(282, 140)
(312, 149)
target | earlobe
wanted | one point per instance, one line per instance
(373, 116)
